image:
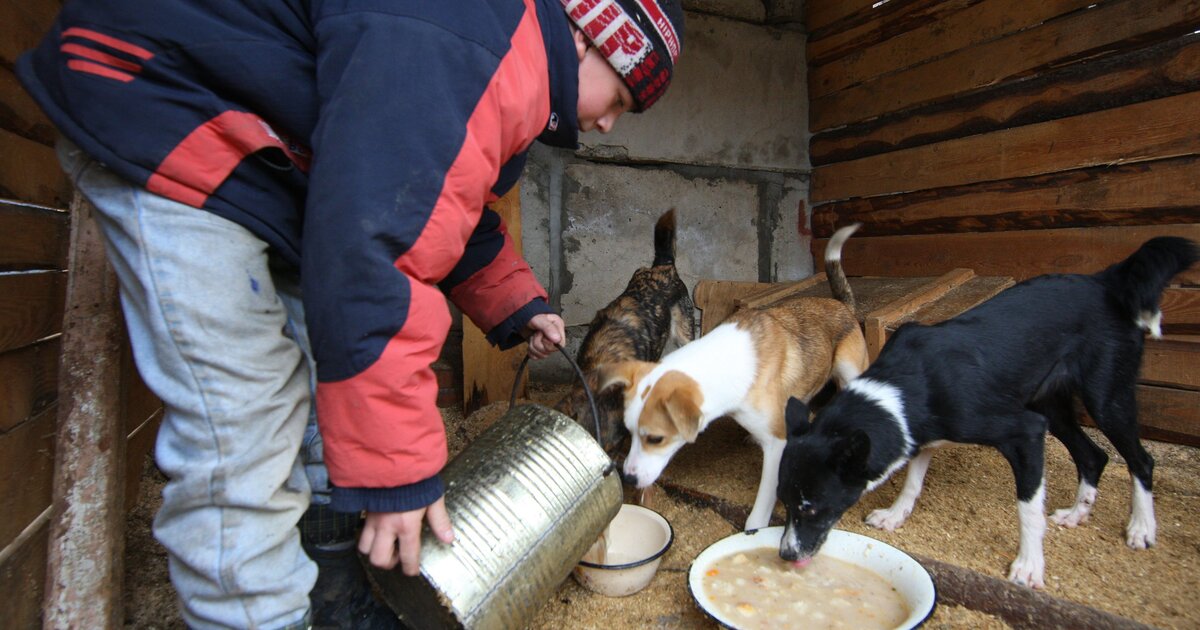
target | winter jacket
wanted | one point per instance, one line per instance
(362, 141)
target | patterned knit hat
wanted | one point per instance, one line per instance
(640, 38)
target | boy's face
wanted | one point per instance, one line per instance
(603, 96)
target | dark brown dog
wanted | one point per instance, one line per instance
(655, 306)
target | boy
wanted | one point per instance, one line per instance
(344, 151)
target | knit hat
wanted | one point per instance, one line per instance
(640, 38)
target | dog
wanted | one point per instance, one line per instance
(1000, 374)
(654, 308)
(747, 367)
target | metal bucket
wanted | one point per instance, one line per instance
(527, 498)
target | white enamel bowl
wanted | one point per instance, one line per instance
(637, 539)
(909, 578)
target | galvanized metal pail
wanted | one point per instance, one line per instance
(527, 498)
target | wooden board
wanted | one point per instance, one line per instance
(1020, 255)
(1169, 414)
(28, 382)
(23, 576)
(22, 25)
(835, 43)
(1172, 362)
(27, 463)
(488, 373)
(1107, 27)
(31, 307)
(1116, 80)
(716, 299)
(20, 114)
(945, 27)
(29, 171)
(1147, 193)
(32, 237)
(1157, 129)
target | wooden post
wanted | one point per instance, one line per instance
(488, 372)
(85, 560)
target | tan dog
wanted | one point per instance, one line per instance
(746, 368)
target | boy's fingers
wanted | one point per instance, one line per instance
(439, 521)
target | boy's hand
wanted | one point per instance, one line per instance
(548, 332)
(391, 537)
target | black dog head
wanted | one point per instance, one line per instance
(820, 476)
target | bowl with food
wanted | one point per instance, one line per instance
(626, 557)
(854, 582)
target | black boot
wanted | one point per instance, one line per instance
(342, 597)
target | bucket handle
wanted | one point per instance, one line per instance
(512, 398)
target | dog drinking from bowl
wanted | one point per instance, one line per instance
(1000, 374)
(654, 307)
(747, 367)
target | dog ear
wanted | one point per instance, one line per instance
(796, 417)
(850, 455)
(685, 413)
(626, 374)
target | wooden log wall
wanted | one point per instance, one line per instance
(1014, 138)
(34, 238)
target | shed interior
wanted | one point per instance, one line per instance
(1004, 137)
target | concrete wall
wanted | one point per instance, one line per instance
(726, 147)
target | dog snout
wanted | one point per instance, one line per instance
(628, 479)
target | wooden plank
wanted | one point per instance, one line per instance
(85, 565)
(31, 307)
(1169, 414)
(1172, 363)
(975, 292)
(29, 171)
(32, 237)
(20, 114)
(1019, 255)
(22, 25)
(26, 472)
(488, 372)
(779, 291)
(882, 27)
(1166, 69)
(1181, 311)
(23, 577)
(715, 299)
(1102, 29)
(1146, 193)
(898, 309)
(1153, 130)
(948, 27)
(821, 14)
(28, 382)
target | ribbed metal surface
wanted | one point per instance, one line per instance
(526, 498)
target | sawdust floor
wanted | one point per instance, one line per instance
(966, 517)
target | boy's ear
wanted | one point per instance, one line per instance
(581, 42)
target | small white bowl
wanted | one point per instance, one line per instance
(637, 539)
(909, 578)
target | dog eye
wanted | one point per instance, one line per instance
(654, 439)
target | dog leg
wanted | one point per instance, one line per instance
(764, 503)
(1029, 569)
(890, 519)
(1141, 531)
(1077, 514)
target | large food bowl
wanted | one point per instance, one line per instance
(636, 540)
(906, 575)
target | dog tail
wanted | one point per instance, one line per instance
(833, 265)
(1137, 282)
(664, 239)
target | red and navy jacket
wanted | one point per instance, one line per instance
(362, 140)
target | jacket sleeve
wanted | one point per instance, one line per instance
(415, 123)
(494, 286)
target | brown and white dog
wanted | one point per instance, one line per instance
(747, 368)
(654, 307)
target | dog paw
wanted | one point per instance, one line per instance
(1140, 535)
(1071, 517)
(1028, 572)
(889, 520)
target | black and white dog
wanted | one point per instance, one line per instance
(1000, 375)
